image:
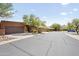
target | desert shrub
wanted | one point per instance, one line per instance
(34, 31)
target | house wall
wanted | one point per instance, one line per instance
(12, 27)
(2, 31)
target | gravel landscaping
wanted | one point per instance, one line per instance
(5, 38)
(73, 33)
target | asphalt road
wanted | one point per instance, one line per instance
(49, 44)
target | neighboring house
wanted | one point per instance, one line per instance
(10, 27)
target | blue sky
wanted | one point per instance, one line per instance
(50, 12)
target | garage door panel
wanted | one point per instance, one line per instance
(13, 29)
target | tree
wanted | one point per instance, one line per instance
(26, 20)
(76, 23)
(71, 26)
(37, 22)
(5, 10)
(32, 20)
(56, 26)
(64, 28)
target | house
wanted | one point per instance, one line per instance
(10, 27)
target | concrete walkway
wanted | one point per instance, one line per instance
(48, 44)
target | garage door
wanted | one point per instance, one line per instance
(13, 29)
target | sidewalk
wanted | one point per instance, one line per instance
(15, 38)
(72, 35)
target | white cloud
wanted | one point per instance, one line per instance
(63, 13)
(32, 10)
(75, 9)
(70, 12)
(13, 15)
(44, 17)
(64, 3)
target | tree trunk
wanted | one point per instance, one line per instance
(77, 29)
(77, 32)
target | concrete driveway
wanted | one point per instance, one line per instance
(48, 44)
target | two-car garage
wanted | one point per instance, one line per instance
(12, 27)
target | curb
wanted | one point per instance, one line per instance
(73, 36)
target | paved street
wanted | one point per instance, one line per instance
(48, 44)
